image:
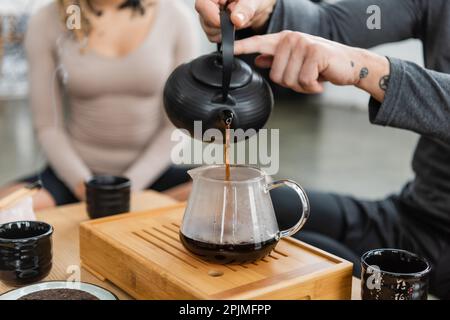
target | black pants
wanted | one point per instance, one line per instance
(63, 195)
(349, 227)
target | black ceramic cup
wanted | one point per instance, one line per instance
(391, 274)
(107, 195)
(25, 252)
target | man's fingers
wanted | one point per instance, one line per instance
(290, 76)
(308, 77)
(266, 44)
(213, 33)
(243, 11)
(280, 61)
(292, 64)
(209, 11)
(264, 61)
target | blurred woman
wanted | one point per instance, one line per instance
(112, 72)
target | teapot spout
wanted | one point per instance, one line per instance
(227, 116)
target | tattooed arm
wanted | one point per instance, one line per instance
(302, 62)
(374, 75)
(347, 22)
(404, 95)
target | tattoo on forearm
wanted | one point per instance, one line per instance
(363, 73)
(384, 82)
(352, 64)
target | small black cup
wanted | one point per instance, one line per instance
(107, 195)
(392, 274)
(25, 252)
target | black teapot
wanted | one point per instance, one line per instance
(219, 90)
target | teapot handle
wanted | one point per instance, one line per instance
(304, 200)
(227, 48)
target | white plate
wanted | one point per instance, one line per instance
(96, 291)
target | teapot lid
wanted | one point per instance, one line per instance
(208, 69)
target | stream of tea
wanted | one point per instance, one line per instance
(229, 211)
(226, 149)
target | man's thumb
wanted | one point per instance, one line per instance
(243, 12)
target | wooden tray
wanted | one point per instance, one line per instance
(141, 254)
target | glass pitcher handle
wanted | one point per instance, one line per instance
(304, 200)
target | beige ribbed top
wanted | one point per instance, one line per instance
(115, 122)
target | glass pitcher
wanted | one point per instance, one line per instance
(233, 221)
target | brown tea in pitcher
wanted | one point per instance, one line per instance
(236, 253)
(226, 148)
(229, 253)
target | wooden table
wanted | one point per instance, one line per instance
(66, 261)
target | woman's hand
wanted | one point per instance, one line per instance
(244, 14)
(302, 62)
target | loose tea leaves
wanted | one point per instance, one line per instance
(59, 294)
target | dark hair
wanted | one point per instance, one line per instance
(136, 5)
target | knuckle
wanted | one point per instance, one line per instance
(305, 81)
(286, 37)
(314, 49)
(286, 33)
(293, 39)
(299, 45)
(295, 36)
(288, 82)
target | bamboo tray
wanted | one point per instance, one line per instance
(141, 254)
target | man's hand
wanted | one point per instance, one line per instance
(302, 62)
(244, 14)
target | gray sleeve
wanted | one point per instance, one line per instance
(346, 21)
(46, 98)
(417, 99)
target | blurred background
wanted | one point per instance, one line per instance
(326, 142)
